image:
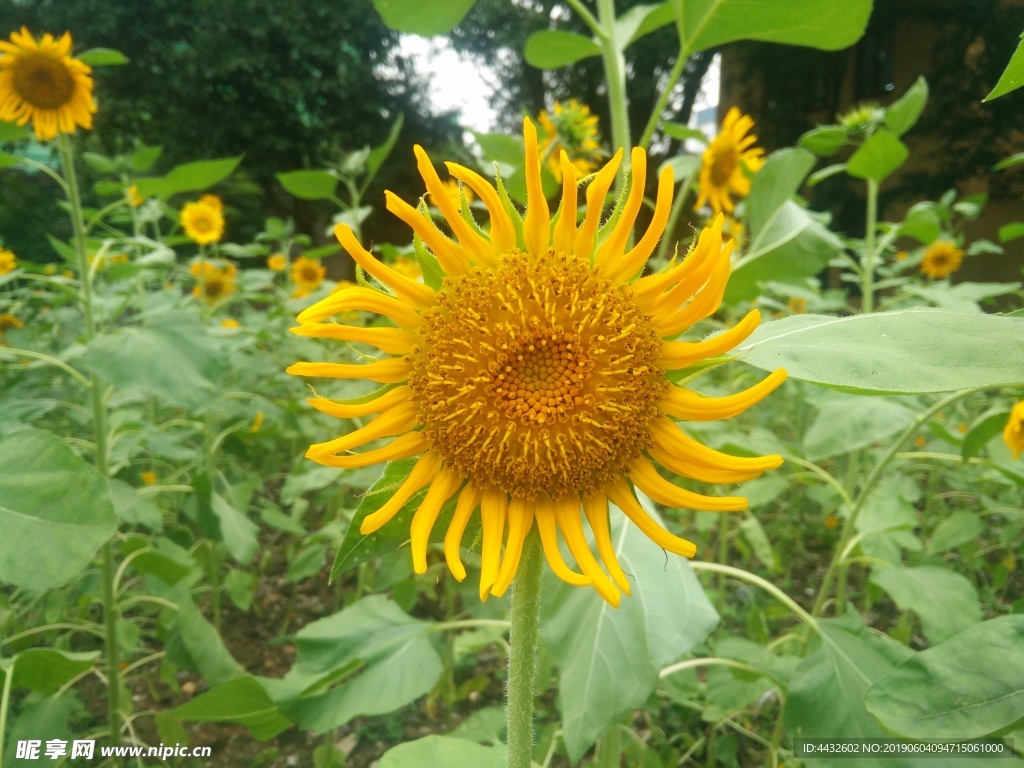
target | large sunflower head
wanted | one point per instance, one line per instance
(41, 83)
(941, 259)
(728, 162)
(203, 221)
(307, 274)
(531, 384)
(8, 261)
(571, 127)
(213, 283)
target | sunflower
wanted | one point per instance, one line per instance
(571, 127)
(728, 162)
(213, 201)
(213, 283)
(149, 477)
(941, 259)
(532, 384)
(8, 261)
(132, 193)
(277, 262)
(230, 323)
(1013, 434)
(307, 274)
(203, 221)
(39, 81)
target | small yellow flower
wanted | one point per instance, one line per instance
(134, 197)
(1013, 434)
(531, 385)
(797, 306)
(202, 221)
(277, 262)
(901, 255)
(920, 442)
(831, 522)
(961, 428)
(728, 162)
(257, 422)
(213, 283)
(408, 266)
(148, 477)
(229, 322)
(7, 320)
(8, 261)
(67, 273)
(307, 274)
(941, 259)
(50, 269)
(41, 83)
(571, 127)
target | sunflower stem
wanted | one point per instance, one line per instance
(522, 656)
(867, 275)
(615, 77)
(99, 423)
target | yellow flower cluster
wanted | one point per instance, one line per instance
(203, 220)
(570, 127)
(213, 283)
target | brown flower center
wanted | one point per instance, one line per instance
(724, 164)
(43, 81)
(537, 375)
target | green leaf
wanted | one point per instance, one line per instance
(902, 114)
(240, 700)
(984, 428)
(309, 185)
(641, 20)
(12, 132)
(877, 157)
(553, 48)
(824, 141)
(443, 752)
(173, 356)
(826, 24)
(957, 529)
(236, 530)
(786, 243)
(44, 669)
(1011, 231)
(380, 153)
(357, 548)
(683, 132)
(970, 686)
(191, 177)
(846, 424)
(757, 538)
(213, 660)
(610, 658)
(145, 158)
(418, 18)
(903, 352)
(47, 540)
(501, 148)
(1009, 162)
(1012, 77)
(945, 601)
(8, 160)
(682, 166)
(99, 162)
(102, 57)
(922, 222)
(392, 651)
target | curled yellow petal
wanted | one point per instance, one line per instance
(363, 300)
(390, 370)
(423, 472)
(646, 478)
(403, 447)
(441, 488)
(567, 513)
(468, 500)
(689, 406)
(596, 192)
(609, 253)
(410, 291)
(544, 510)
(595, 507)
(679, 354)
(503, 232)
(493, 511)
(520, 519)
(451, 258)
(393, 341)
(400, 418)
(565, 229)
(620, 494)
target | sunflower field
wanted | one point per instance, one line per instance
(605, 439)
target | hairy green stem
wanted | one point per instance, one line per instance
(666, 91)
(615, 78)
(867, 274)
(99, 423)
(5, 698)
(522, 655)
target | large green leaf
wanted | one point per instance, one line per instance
(55, 511)
(826, 695)
(902, 114)
(877, 157)
(369, 659)
(236, 530)
(240, 700)
(552, 48)
(443, 752)
(610, 657)
(12, 132)
(173, 356)
(44, 669)
(190, 177)
(785, 242)
(208, 652)
(970, 686)
(826, 24)
(418, 18)
(1012, 77)
(945, 601)
(904, 352)
(309, 185)
(102, 57)
(846, 424)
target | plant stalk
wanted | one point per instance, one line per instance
(867, 276)
(615, 77)
(522, 656)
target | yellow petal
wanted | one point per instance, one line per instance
(520, 519)
(567, 512)
(537, 224)
(503, 232)
(400, 418)
(409, 444)
(595, 507)
(646, 478)
(422, 473)
(471, 241)
(544, 510)
(410, 291)
(446, 483)
(451, 258)
(679, 354)
(596, 192)
(610, 252)
(635, 260)
(689, 406)
(394, 341)
(390, 370)
(493, 510)
(621, 495)
(565, 228)
(669, 437)
(469, 498)
(361, 299)
(383, 401)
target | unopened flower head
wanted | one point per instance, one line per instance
(203, 220)
(41, 83)
(531, 385)
(941, 259)
(571, 127)
(728, 163)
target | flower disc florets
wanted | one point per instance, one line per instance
(538, 375)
